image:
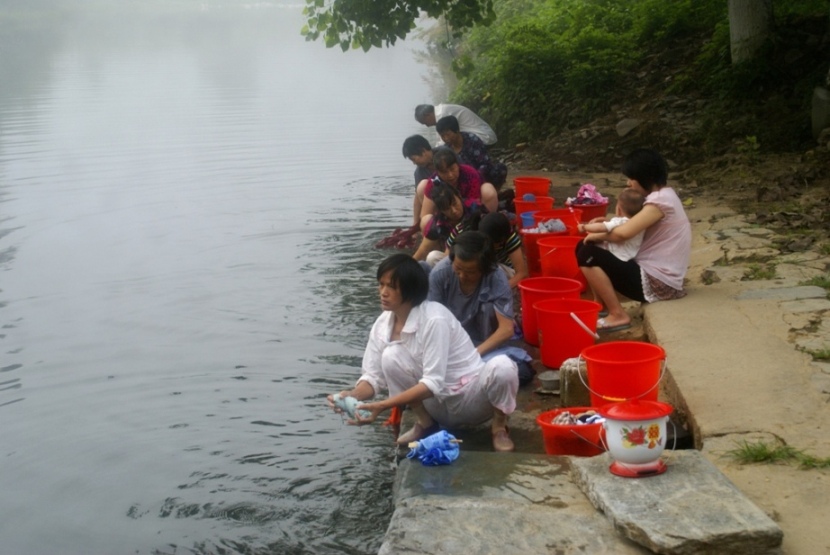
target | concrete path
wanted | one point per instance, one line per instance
(733, 352)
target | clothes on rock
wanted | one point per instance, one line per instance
(435, 449)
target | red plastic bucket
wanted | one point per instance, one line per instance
(541, 203)
(557, 257)
(591, 211)
(623, 370)
(579, 440)
(534, 289)
(561, 336)
(530, 243)
(524, 184)
(570, 218)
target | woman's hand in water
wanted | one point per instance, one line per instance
(367, 413)
(330, 400)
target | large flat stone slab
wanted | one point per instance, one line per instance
(471, 526)
(505, 503)
(691, 509)
(523, 478)
(785, 293)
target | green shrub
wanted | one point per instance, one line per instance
(547, 65)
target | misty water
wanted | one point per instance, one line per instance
(189, 198)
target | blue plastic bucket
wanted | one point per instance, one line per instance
(527, 219)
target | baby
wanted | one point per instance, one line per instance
(629, 203)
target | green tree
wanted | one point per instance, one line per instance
(374, 23)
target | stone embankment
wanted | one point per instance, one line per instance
(741, 369)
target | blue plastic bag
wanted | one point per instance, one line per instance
(439, 448)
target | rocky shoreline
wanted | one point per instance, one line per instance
(739, 372)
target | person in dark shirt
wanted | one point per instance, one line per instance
(427, 114)
(471, 151)
(418, 150)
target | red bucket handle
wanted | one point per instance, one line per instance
(582, 325)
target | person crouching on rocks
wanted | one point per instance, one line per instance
(420, 354)
(452, 217)
(463, 178)
(477, 292)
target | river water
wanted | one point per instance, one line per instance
(189, 198)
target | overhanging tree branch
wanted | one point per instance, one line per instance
(375, 23)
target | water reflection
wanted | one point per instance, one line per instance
(347, 259)
(190, 203)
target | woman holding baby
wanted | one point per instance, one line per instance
(656, 273)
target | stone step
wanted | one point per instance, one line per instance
(690, 509)
(506, 503)
(519, 503)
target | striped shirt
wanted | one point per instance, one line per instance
(503, 254)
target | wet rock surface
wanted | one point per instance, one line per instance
(740, 369)
(690, 509)
(487, 503)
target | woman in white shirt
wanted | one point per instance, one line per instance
(656, 273)
(418, 351)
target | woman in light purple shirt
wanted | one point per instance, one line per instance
(657, 272)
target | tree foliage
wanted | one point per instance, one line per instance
(375, 23)
(547, 65)
(534, 60)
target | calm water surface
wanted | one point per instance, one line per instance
(189, 197)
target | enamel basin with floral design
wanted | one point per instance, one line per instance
(635, 433)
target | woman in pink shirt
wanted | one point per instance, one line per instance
(464, 179)
(657, 272)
